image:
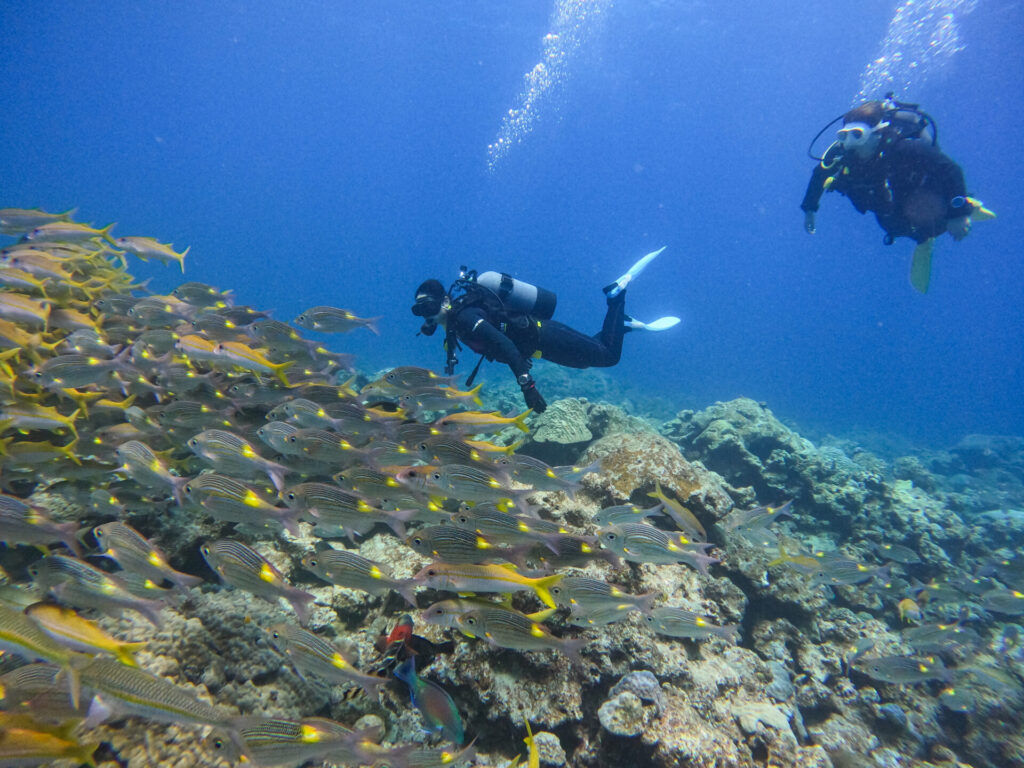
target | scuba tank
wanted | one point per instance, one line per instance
(909, 121)
(518, 296)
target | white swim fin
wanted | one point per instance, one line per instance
(661, 324)
(614, 289)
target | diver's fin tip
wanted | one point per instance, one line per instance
(921, 266)
(619, 285)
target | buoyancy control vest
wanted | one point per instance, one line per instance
(505, 300)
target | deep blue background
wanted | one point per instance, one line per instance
(335, 153)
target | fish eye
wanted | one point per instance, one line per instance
(292, 439)
(436, 475)
(431, 572)
(291, 497)
(205, 550)
(188, 489)
(470, 620)
(610, 536)
(312, 563)
(418, 541)
(276, 635)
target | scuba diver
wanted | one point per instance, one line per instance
(507, 320)
(887, 160)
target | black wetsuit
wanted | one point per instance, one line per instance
(516, 339)
(911, 187)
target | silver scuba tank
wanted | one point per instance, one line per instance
(519, 296)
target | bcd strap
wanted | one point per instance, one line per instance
(505, 286)
(451, 345)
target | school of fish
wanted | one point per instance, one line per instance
(115, 398)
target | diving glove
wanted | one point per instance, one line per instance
(533, 398)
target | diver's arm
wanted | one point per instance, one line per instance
(816, 185)
(815, 189)
(474, 328)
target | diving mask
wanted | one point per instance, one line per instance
(854, 136)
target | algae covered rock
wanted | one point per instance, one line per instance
(622, 715)
(632, 464)
(564, 422)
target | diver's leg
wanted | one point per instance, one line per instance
(560, 344)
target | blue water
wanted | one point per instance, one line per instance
(335, 153)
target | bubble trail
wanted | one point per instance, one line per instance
(573, 24)
(923, 37)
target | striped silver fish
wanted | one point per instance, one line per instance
(336, 512)
(348, 569)
(586, 593)
(144, 467)
(319, 658)
(452, 544)
(120, 542)
(276, 433)
(326, 447)
(677, 622)
(82, 585)
(462, 482)
(231, 454)
(241, 567)
(642, 543)
(503, 628)
(624, 513)
(122, 690)
(230, 500)
(22, 523)
(280, 742)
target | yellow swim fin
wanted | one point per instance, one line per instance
(980, 212)
(921, 265)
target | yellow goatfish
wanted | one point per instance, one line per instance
(69, 231)
(477, 422)
(253, 360)
(71, 630)
(486, 578)
(147, 248)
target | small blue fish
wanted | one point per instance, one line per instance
(435, 705)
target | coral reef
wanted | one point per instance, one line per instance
(776, 603)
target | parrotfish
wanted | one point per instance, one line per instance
(440, 715)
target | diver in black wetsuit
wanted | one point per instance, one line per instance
(887, 161)
(510, 321)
